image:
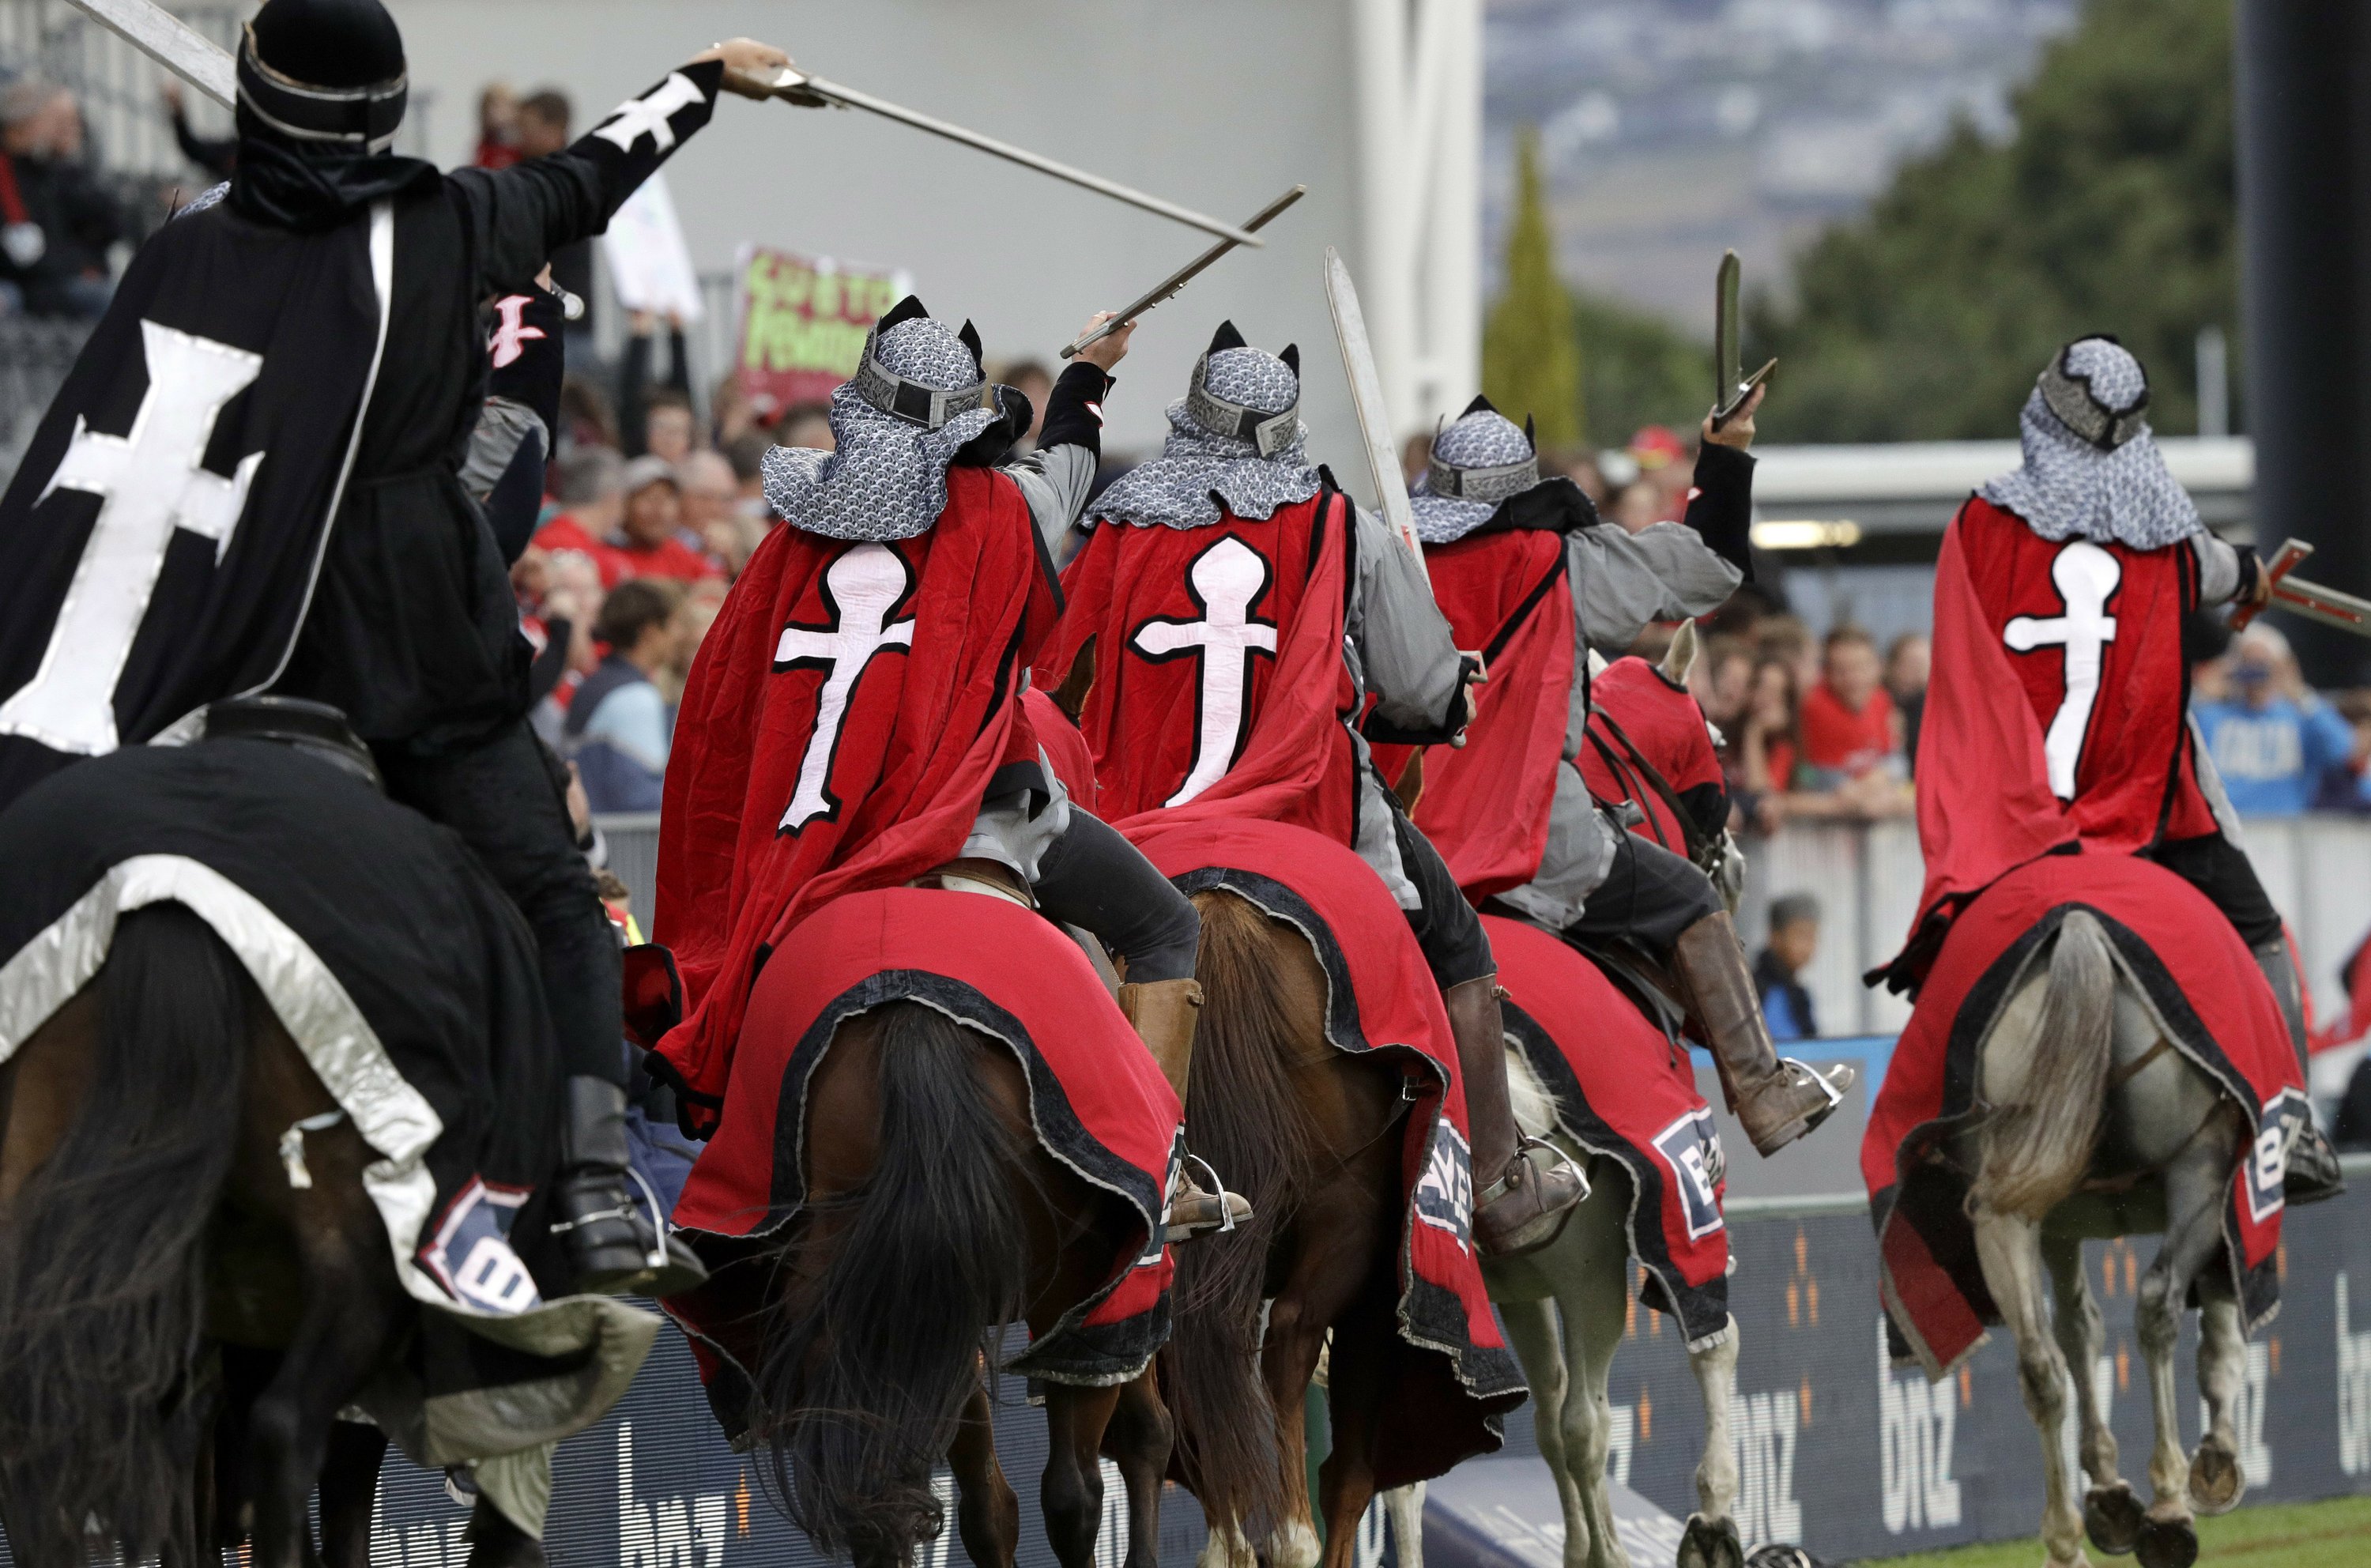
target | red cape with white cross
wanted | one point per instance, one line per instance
(845, 717)
(2057, 713)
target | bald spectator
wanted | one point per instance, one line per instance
(593, 502)
(807, 424)
(56, 223)
(711, 509)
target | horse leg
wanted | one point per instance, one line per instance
(2009, 1251)
(2215, 1480)
(2196, 1184)
(1354, 1390)
(1712, 1540)
(1139, 1440)
(349, 1488)
(988, 1512)
(2111, 1510)
(1403, 1507)
(1288, 1361)
(1072, 1491)
(1532, 1333)
(1589, 1269)
(355, 1308)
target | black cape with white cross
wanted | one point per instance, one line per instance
(160, 536)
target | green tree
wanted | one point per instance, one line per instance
(2113, 209)
(1530, 363)
(1636, 369)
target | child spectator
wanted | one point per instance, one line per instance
(650, 541)
(2273, 740)
(619, 726)
(1794, 938)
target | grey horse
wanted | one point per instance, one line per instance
(2096, 1127)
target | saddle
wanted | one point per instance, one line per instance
(314, 728)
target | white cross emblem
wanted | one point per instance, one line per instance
(152, 481)
(648, 115)
(860, 589)
(1226, 579)
(512, 335)
(2086, 576)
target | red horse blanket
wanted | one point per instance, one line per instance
(1099, 1103)
(2209, 995)
(1453, 1378)
(1626, 1090)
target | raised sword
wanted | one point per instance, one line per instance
(1185, 275)
(2311, 600)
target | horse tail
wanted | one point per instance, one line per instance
(868, 1367)
(1245, 1117)
(102, 1265)
(2035, 1149)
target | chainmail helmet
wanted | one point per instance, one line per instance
(1480, 462)
(1235, 441)
(328, 75)
(2092, 470)
(918, 396)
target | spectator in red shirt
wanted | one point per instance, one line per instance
(593, 496)
(650, 542)
(1852, 733)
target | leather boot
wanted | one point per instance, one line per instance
(598, 1216)
(1163, 1013)
(1524, 1203)
(2313, 1170)
(1777, 1100)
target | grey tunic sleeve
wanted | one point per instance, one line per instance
(1622, 581)
(1400, 643)
(503, 424)
(2218, 567)
(1055, 481)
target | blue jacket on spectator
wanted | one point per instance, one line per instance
(2273, 758)
(619, 731)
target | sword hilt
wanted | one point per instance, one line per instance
(2285, 561)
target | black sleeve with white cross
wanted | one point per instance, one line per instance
(637, 136)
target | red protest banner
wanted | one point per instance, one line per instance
(803, 324)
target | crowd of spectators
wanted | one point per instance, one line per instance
(2281, 748)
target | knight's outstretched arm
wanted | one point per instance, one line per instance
(518, 216)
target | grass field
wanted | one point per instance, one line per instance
(2335, 1534)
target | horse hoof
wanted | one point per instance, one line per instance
(2167, 1544)
(1294, 1545)
(2113, 1517)
(2215, 1480)
(1709, 1544)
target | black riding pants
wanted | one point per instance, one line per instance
(1093, 878)
(1649, 896)
(1455, 946)
(2221, 869)
(502, 797)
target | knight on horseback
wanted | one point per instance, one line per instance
(1500, 537)
(2094, 511)
(1231, 525)
(317, 319)
(923, 453)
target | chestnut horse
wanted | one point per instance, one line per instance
(1312, 1136)
(180, 1324)
(933, 1217)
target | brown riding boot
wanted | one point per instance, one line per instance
(1523, 1207)
(1163, 1013)
(1777, 1100)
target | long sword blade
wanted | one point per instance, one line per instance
(1728, 352)
(1185, 275)
(2327, 605)
(800, 88)
(170, 43)
(1367, 398)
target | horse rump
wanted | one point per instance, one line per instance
(1245, 1117)
(867, 1364)
(103, 1250)
(2036, 1145)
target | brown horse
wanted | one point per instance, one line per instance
(180, 1324)
(1311, 1138)
(932, 1219)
